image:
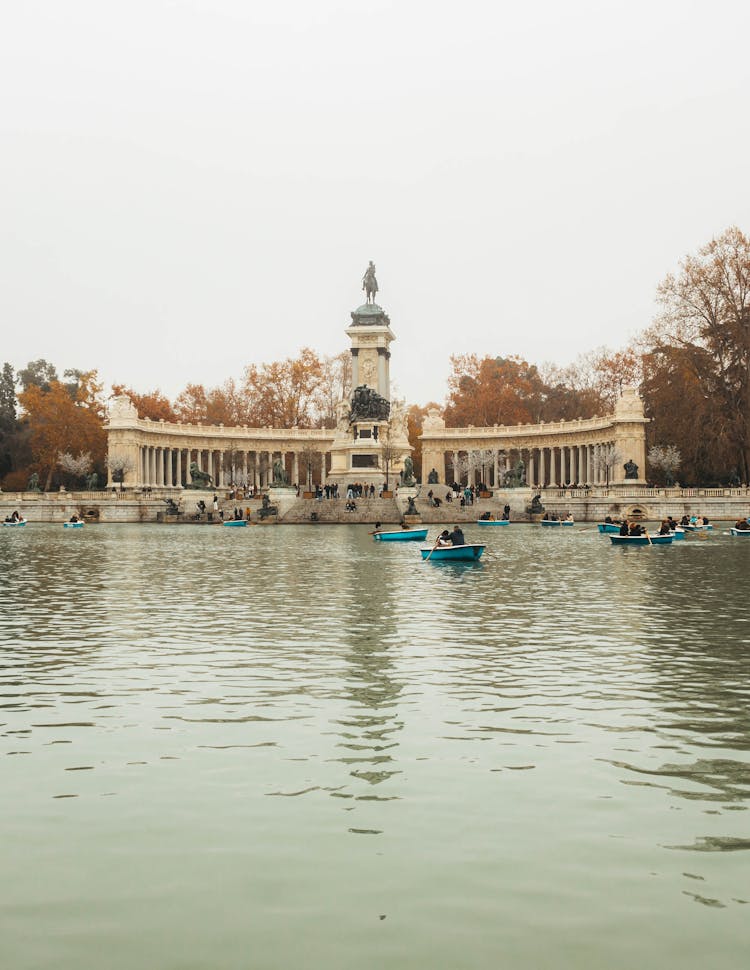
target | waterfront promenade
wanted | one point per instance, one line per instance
(585, 504)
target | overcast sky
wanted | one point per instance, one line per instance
(188, 187)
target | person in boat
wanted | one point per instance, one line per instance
(569, 517)
(444, 539)
(672, 523)
(742, 525)
(608, 520)
(457, 536)
(685, 520)
(74, 518)
(625, 528)
(636, 529)
(665, 528)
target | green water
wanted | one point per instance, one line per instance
(293, 747)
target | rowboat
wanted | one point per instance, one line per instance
(556, 522)
(493, 522)
(641, 540)
(678, 534)
(698, 528)
(739, 532)
(22, 522)
(609, 528)
(72, 525)
(402, 535)
(453, 553)
(236, 523)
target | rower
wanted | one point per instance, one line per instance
(624, 528)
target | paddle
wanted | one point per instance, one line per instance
(432, 550)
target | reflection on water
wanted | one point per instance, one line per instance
(302, 745)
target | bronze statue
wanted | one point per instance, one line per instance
(33, 485)
(407, 476)
(536, 506)
(411, 508)
(370, 283)
(267, 509)
(199, 479)
(92, 482)
(368, 405)
(631, 469)
(432, 478)
(279, 474)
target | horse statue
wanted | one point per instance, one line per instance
(198, 478)
(370, 283)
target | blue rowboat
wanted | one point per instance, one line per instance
(493, 521)
(697, 528)
(236, 523)
(678, 534)
(739, 532)
(555, 522)
(467, 553)
(608, 528)
(15, 523)
(640, 540)
(72, 525)
(403, 535)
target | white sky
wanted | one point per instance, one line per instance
(188, 187)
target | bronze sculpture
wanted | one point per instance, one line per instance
(370, 283)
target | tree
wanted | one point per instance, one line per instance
(606, 460)
(665, 458)
(703, 330)
(8, 415)
(283, 394)
(390, 452)
(119, 465)
(493, 390)
(59, 424)
(309, 455)
(77, 466)
(37, 373)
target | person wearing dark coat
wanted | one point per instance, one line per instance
(457, 536)
(624, 529)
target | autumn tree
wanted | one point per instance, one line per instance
(702, 335)
(493, 390)
(60, 424)
(283, 394)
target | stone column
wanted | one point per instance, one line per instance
(295, 468)
(220, 469)
(531, 471)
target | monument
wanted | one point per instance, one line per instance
(371, 440)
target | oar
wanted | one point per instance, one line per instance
(432, 550)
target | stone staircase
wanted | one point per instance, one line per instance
(451, 512)
(369, 510)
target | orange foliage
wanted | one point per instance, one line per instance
(58, 423)
(493, 390)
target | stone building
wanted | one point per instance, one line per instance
(369, 441)
(607, 450)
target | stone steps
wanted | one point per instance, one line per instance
(369, 510)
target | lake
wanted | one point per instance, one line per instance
(292, 746)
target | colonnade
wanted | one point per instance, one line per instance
(556, 466)
(168, 467)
